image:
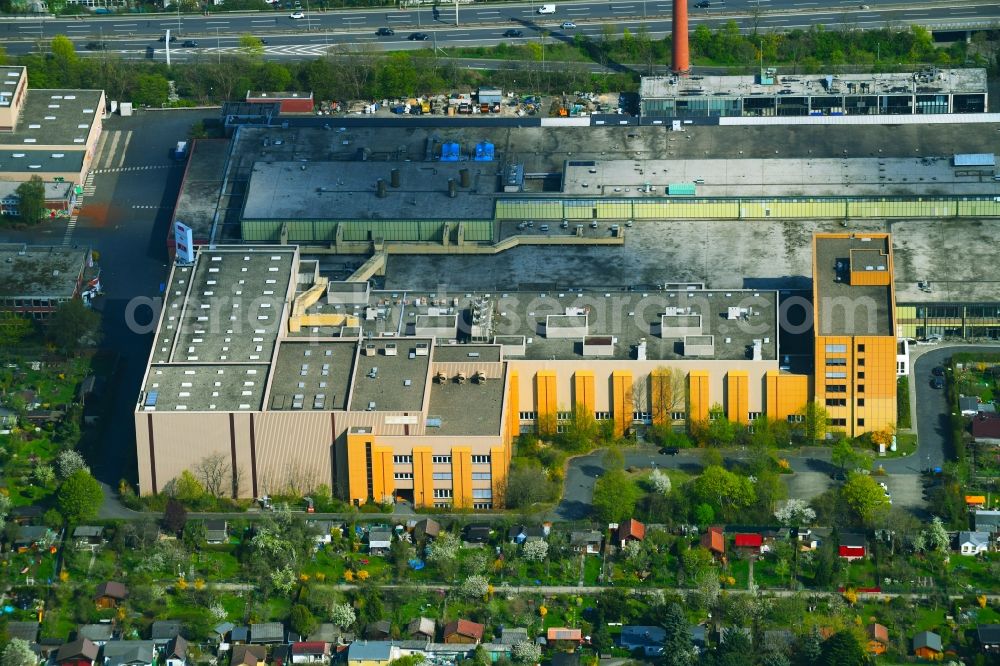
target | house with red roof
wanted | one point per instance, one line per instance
(631, 530)
(748, 541)
(852, 546)
(562, 634)
(310, 652)
(714, 541)
(463, 631)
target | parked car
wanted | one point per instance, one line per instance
(419, 37)
(297, 15)
(669, 451)
(567, 25)
(513, 32)
(173, 38)
(97, 46)
(704, 4)
(190, 44)
(385, 32)
(937, 371)
(937, 383)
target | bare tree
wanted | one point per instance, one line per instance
(666, 394)
(213, 471)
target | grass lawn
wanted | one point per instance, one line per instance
(860, 573)
(216, 562)
(974, 571)
(591, 569)
(740, 570)
(906, 444)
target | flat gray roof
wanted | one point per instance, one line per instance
(470, 408)
(52, 190)
(928, 81)
(312, 375)
(202, 185)
(194, 387)
(40, 271)
(55, 118)
(338, 190)
(387, 386)
(845, 308)
(25, 160)
(467, 353)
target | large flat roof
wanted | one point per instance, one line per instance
(393, 382)
(469, 408)
(10, 77)
(202, 185)
(927, 81)
(198, 387)
(339, 190)
(844, 308)
(21, 160)
(55, 117)
(312, 375)
(40, 271)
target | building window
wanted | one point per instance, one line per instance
(861, 388)
(442, 505)
(564, 416)
(836, 375)
(482, 493)
(861, 423)
(560, 429)
(861, 349)
(796, 418)
(836, 361)
(677, 416)
(442, 493)
(526, 416)
(861, 375)
(861, 362)
(482, 505)
(838, 422)
(836, 388)
(641, 416)
(441, 460)
(836, 349)
(836, 402)
(402, 476)
(602, 416)
(402, 460)
(861, 402)
(482, 476)
(442, 476)
(481, 460)
(753, 416)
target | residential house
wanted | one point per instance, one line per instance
(324, 530)
(987, 521)
(129, 653)
(26, 631)
(239, 635)
(714, 541)
(463, 631)
(649, 639)
(588, 542)
(807, 539)
(22, 515)
(164, 631)
(33, 536)
(371, 653)
(310, 652)
(98, 633)
(175, 654)
(379, 540)
(986, 428)
(248, 655)
(522, 534)
(748, 542)
(477, 534)
(973, 543)
(852, 546)
(566, 659)
(563, 635)
(968, 405)
(216, 531)
(221, 631)
(110, 594)
(281, 655)
(988, 636)
(426, 529)
(88, 536)
(331, 633)
(631, 530)
(927, 645)
(513, 635)
(878, 638)
(380, 630)
(81, 652)
(422, 628)
(975, 501)
(267, 632)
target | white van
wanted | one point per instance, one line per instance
(547, 9)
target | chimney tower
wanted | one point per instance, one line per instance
(682, 57)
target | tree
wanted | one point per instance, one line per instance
(302, 620)
(704, 514)
(795, 513)
(724, 489)
(444, 548)
(251, 46)
(31, 199)
(43, 475)
(666, 394)
(4, 509)
(615, 495)
(677, 648)
(842, 649)
(18, 653)
(660, 482)
(70, 461)
(526, 652)
(14, 329)
(474, 587)
(865, 497)
(535, 551)
(525, 485)
(342, 615)
(936, 536)
(174, 516)
(815, 421)
(212, 471)
(79, 497)
(810, 647)
(73, 325)
(847, 457)
(185, 488)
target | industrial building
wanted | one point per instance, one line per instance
(36, 279)
(770, 94)
(49, 133)
(300, 381)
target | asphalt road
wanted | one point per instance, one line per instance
(478, 25)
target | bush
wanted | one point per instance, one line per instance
(903, 403)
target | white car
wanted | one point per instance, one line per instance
(568, 25)
(297, 15)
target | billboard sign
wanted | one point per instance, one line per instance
(183, 243)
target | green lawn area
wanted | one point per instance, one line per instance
(740, 570)
(216, 563)
(591, 569)
(860, 573)
(975, 571)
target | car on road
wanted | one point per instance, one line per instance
(669, 451)
(419, 37)
(297, 15)
(263, 41)
(937, 371)
(704, 4)
(838, 475)
(97, 46)
(863, 7)
(173, 38)
(385, 32)
(937, 383)
(513, 32)
(567, 25)
(190, 44)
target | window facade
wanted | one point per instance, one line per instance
(481, 460)
(482, 505)
(482, 476)
(836, 349)
(527, 416)
(441, 460)
(442, 476)
(842, 423)
(482, 493)
(402, 476)
(402, 460)
(442, 493)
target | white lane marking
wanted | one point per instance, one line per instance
(262, 21)
(114, 146)
(128, 138)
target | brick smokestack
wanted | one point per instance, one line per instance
(682, 57)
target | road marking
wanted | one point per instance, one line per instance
(128, 138)
(123, 25)
(457, 34)
(271, 21)
(216, 22)
(578, 10)
(111, 151)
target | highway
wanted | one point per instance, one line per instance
(478, 25)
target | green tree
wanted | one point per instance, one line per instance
(865, 497)
(847, 457)
(31, 200)
(525, 485)
(302, 621)
(79, 497)
(704, 514)
(150, 90)
(14, 329)
(615, 495)
(724, 490)
(18, 653)
(843, 649)
(65, 63)
(677, 648)
(815, 421)
(251, 46)
(74, 325)
(4, 509)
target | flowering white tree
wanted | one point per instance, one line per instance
(535, 551)
(68, 462)
(936, 536)
(18, 653)
(526, 652)
(632, 550)
(474, 586)
(796, 512)
(342, 615)
(660, 482)
(444, 548)
(283, 579)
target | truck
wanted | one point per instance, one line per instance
(547, 9)
(180, 150)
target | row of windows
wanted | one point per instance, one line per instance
(842, 402)
(482, 476)
(402, 460)
(408, 460)
(402, 476)
(481, 459)
(441, 460)
(29, 302)
(481, 505)
(442, 476)
(442, 493)
(842, 349)
(482, 493)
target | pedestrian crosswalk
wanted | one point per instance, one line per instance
(281, 50)
(134, 168)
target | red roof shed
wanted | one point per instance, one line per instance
(748, 541)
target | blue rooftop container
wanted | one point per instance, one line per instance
(450, 152)
(484, 151)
